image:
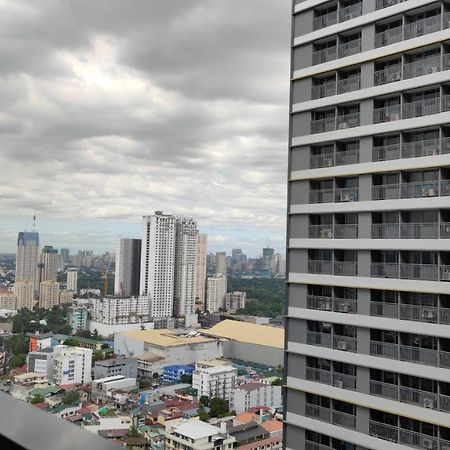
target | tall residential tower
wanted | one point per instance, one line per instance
(27, 258)
(128, 267)
(368, 327)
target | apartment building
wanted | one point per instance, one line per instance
(368, 327)
(216, 381)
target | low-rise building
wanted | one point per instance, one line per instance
(217, 381)
(78, 318)
(235, 300)
(37, 340)
(173, 374)
(71, 365)
(103, 389)
(251, 395)
(197, 435)
(127, 367)
(41, 361)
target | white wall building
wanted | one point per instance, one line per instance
(194, 434)
(114, 311)
(71, 365)
(252, 395)
(48, 294)
(215, 292)
(8, 300)
(217, 381)
(24, 291)
(221, 263)
(185, 264)
(72, 279)
(200, 269)
(127, 269)
(235, 300)
(27, 258)
(158, 262)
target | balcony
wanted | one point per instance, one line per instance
(336, 379)
(419, 271)
(345, 231)
(329, 159)
(389, 36)
(323, 125)
(421, 108)
(384, 309)
(349, 194)
(404, 311)
(349, 48)
(310, 445)
(329, 415)
(419, 230)
(385, 231)
(429, 147)
(347, 120)
(417, 355)
(325, 20)
(421, 67)
(380, 4)
(386, 152)
(411, 190)
(321, 196)
(350, 12)
(325, 267)
(388, 75)
(324, 55)
(348, 157)
(387, 114)
(345, 268)
(386, 390)
(429, 272)
(384, 270)
(422, 26)
(323, 90)
(345, 305)
(343, 343)
(352, 83)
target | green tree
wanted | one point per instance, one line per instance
(17, 361)
(143, 383)
(218, 407)
(71, 342)
(186, 378)
(202, 414)
(37, 399)
(18, 344)
(204, 400)
(71, 397)
(277, 382)
(98, 355)
(133, 432)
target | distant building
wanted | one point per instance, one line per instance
(194, 434)
(37, 341)
(128, 266)
(221, 263)
(48, 294)
(71, 365)
(126, 367)
(235, 300)
(216, 288)
(72, 279)
(24, 291)
(8, 300)
(78, 318)
(65, 297)
(251, 395)
(49, 264)
(27, 259)
(65, 253)
(217, 381)
(200, 263)
(118, 310)
(268, 259)
(173, 374)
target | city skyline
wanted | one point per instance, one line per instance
(106, 124)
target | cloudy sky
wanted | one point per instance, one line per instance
(111, 109)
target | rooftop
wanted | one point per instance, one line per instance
(163, 338)
(196, 429)
(251, 386)
(250, 333)
(272, 425)
(216, 369)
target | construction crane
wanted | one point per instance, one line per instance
(104, 277)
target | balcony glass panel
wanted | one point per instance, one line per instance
(421, 108)
(324, 55)
(419, 230)
(422, 26)
(386, 152)
(349, 48)
(350, 12)
(416, 149)
(421, 67)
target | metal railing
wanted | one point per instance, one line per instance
(317, 338)
(344, 343)
(422, 26)
(344, 380)
(386, 390)
(310, 445)
(389, 36)
(325, 20)
(324, 55)
(347, 120)
(388, 75)
(323, 125)
(350, 12)
(383, 431)
(421, 67)
(346, 231)
(386, 152)
(345, 305)
(387, 114)
(337, 379)
(349, 48)
(418, 397)
(323, 90)
(411, 190)
(421, 189)
(421, 108)
(330, 415)
(318, 266)
(419, 230)
(384, 270)
(349, 194)
(416, 149)
(380, 4)
(321, 160)
(347, 157)
(321, 196)
(384, 309)
(385, 231)
(352, 83)
(346, 268)
(320, 375)
(419, 313)
(321, 231)
(419, 271)
(385, 349)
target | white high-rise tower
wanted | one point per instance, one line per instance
(200, 270)
(27, 258)
(158, 263)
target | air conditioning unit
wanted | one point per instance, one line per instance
(328, 233)
(428, 403)
(342, 345)
(432, 69)
(346, 197)
(428, 314)
(428, 192)
(348, 16)
(328, 162)
(338, 383)
(445, 275)
(427, 443)
(344, 307)
(343, 125)
(326, 305)
(394, 76)
(393, 116)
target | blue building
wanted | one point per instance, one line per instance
(172, 374)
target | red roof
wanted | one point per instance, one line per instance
(272, 425)
(262, 442)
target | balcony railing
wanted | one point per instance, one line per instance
(323, 125)
(388, 75)
(330, 159)
(321, 160)
(349, 48)
(349, 194)
(419, 271)
(411, 190)
(350, 12)
(429, 147)
(347, 120)
(422, 26)
(348, 157)
(333, 268)
(321, 196)
(384, 270)
(344, 343)
(380, 4)
(346, 231)
(318, 266)
(386, 390)
(387, 114)
(386, 152)
(310, 445)
(349, 84)
(417, 355)
(389, 36)
(317, 338)
(421, 108)
(324, 55)
(348, 268)
(430, 272)
(345, 305)
(325, 20)
(385, 231)
(384, 309)
(323, 90)
(336, 379)
(421, 67)
(328, 415)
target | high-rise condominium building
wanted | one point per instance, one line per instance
(24, 292)
(185, 264)
(216, 288)
(200, 275)
(368, 328)
(72, 279)
(158, 262)
(128, 267)
(48, 294)
(65, 253)
(27, 258)
(221, 263)
(49, 263)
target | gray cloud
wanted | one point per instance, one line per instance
(111, 109)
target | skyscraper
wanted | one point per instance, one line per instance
(185, 263)
(221, 263)
(49, 260)
(158, 262)
(216, 288)
(200, 275)
(128, 267)
(24, 292)
(268, 259)
(368, 328)
(65, 253)
(48, 294)
(72, 279)
(27, 258)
